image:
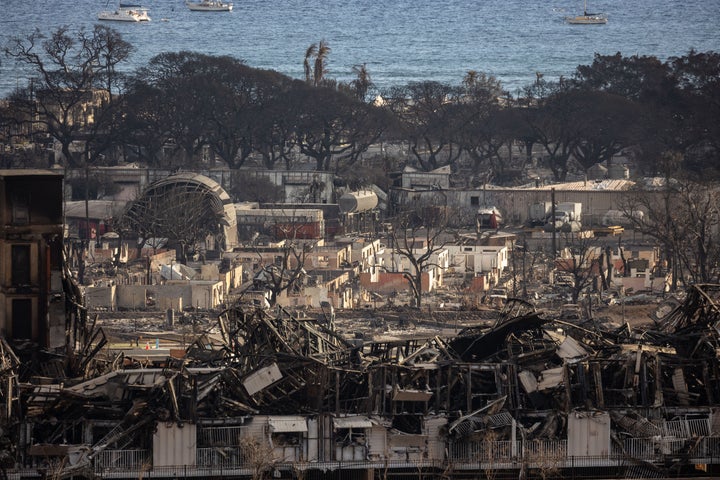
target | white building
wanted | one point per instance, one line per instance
(478, 258)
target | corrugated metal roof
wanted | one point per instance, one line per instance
(288, 424)
(589, 185)
(174, 445)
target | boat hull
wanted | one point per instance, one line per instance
(132, 16)
(209, 6)
(587, 20)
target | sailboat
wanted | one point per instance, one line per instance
(587, 18)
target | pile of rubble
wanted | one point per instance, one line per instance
(524, 379)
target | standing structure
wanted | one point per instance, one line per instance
(31, 228)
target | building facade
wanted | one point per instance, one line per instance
(31, 230)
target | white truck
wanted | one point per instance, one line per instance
(539, 213)
(568, 218)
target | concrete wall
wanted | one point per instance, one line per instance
(101, 297)
(166, 295)
(386, 282)
(317, 294)
(233, 278)
(389, 282)
(514, 203)
(435, 426)
(162, 258)
(131, 296)
(206, 294)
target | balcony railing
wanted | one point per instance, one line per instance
(497, 456)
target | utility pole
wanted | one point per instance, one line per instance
(512, 256)
(552, 220)
(524, 273)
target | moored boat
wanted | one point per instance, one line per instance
(209, 6)
(587, 18)
(126, 13)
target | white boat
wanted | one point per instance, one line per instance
(587, 18)
(209, 6)
(126, 13)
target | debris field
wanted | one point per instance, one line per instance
(527, 396)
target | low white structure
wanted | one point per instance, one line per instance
(435, 270)
(478, 258)
(415, 179)
(175, 294)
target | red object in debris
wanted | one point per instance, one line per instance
(493, 220)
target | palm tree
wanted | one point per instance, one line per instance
(320, 62)
(363, 82)
(470, 79)
(309, 53)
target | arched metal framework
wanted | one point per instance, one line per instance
(184, 208)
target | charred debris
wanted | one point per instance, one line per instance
(526, 386)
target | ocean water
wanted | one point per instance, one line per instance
(399, 40)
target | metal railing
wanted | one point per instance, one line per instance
(123, 460)
(226, 436)
(496, 456)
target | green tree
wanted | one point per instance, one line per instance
(331, 127)
(554, 124)
(697, 76)
(607, 124)
(427, 119)
(639, 78)
(170, 84)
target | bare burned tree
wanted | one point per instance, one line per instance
(258, 456)
(582, 260)
(288, 268)
(73, 79)
(419, 235)
(684, 217)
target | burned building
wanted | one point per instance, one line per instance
(31, 229)
(285, 394)
(192, 211)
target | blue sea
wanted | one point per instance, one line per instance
(400, 41)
